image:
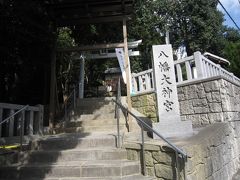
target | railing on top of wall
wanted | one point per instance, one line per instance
(189, 69)
(32, 120)
(143, 82)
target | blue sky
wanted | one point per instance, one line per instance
(233, 8)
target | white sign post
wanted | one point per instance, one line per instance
(120, 57)
(121, 61)
(170, 123)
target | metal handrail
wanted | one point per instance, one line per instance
(21, 124)
(152, 130)
(146, 126)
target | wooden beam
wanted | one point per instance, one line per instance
(127, 69)
(92, 47)
(90, 20)
(81, 10)
(69, 4)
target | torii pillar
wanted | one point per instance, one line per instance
(52, 85)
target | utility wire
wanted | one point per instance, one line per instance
(229, 14)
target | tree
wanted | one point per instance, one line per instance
(197, 24)
(144, 25)
(232, 50)
(67, 67)
(25, 33)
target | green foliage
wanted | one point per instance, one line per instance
(198, 24)
(232, 50)
(97, 33)
(144, 26)
(231, 35)
(65, 38)
(25, 39)
(67, 65)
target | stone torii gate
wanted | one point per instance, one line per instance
(75, 12)
(102, 55)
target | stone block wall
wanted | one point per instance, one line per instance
(203, 102)
(214, 154)
(159, 159)
(146, 104)
(209, 101)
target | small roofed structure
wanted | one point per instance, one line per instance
(112, 76)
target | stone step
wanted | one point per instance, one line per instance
(96, 111)
(96, 107)
(74, 155)
(97, 116)
(75, 141)
(129, 177)
(100, 169)
(86, 129)
(96, 102)
(96, 122)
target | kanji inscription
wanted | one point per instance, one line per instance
(165, 81)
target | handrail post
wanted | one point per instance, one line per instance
(22, 130)
(65, 112)
(184, 168)
(118, 130)
(177, 166)
(74, 97)
(117, 113)
(143, 153)
(11, 123)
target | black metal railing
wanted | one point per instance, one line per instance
(21, 122)
(145, 126)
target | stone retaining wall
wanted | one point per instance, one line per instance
(159, 159)
(146, 104)
(203, 102)
(209, 101)
(214, 154)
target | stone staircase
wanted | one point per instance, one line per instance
(84, 150)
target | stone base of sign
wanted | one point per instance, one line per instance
(173, 129)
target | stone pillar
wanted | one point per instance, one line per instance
(169, 124)
(40, 119)
(199, 65)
